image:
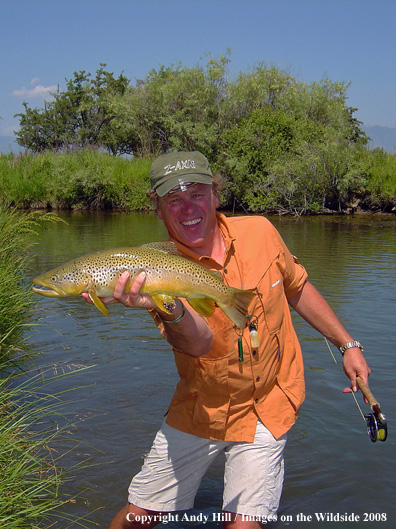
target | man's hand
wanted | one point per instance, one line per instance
(133, 298)
(191, 335)
(355, 365)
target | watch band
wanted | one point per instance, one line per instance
(169, 322)
(349, 345)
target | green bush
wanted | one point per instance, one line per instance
(381, 185)
(275, 161)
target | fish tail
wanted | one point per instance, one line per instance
(237, 309)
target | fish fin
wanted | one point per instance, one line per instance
(98, 303)
(204, 306)
(164, 302)
(163, 246)
(238, 309)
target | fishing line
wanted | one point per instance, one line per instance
(377, 425)
(359, 408)
(353, 395)
(329, 348)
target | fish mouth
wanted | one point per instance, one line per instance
(52, 291)
(41, 286)
(191, 223)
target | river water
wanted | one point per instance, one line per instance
(332, 468)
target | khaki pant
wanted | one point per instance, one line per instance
(177, 461)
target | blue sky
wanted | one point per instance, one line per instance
(43, 42)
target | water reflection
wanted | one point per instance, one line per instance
(331, 466)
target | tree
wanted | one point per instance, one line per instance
(176, 107)
(81, 116)
(277, 161)
(39, 130)
(283, 144)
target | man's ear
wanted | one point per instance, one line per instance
(216, 198)
(158, 210)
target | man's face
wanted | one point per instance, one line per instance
(190, 215)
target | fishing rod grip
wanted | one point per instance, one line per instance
(367, 393)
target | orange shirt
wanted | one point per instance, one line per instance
(218, 396)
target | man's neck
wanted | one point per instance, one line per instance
(218, 250)
(215, 249)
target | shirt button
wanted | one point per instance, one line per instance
(254, 352)
(257, 379)
(256, 401)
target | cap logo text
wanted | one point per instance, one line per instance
(180, 165)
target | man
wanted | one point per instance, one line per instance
(239, 390)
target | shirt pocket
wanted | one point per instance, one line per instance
(272, 297)
(212, 392)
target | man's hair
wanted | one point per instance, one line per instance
(217, 183)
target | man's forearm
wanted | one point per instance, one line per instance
(312, 306)
(187, 331)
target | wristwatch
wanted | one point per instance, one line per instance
(349, 345)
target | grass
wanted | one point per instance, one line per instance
(30, 414)
(78, 180)
(88, 179)
(16, 300)
(32, 447)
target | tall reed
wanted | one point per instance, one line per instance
(32, 446)
(30, 468)
(16, 300)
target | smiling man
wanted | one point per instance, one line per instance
(240, 390)
(188, 208)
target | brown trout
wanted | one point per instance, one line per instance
(168, 276)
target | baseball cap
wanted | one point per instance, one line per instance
(179, 169)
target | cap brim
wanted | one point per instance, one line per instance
(171, 183)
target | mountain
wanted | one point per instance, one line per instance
(384, 137)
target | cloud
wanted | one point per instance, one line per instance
(34, 81)
(38, 91)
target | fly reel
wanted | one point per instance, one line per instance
(376, 430)
(377, 425)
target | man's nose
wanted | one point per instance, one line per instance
(187, 205)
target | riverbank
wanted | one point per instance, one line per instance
(91, 180)
(30, 463)
(80, 180)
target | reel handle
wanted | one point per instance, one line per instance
(377, 426)
(367, 393)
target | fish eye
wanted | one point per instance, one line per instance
(54, 278)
